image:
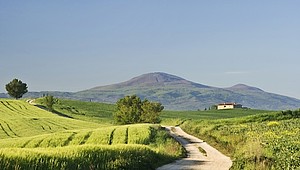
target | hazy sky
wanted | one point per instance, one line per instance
(69, 45)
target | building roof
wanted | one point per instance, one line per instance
(221, 104)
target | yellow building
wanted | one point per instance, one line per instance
(228, 106)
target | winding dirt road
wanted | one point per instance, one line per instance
(212, 160)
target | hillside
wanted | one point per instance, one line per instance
(32, 138)
(20, 119)
(176, 93)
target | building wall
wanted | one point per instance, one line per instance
(229, 106)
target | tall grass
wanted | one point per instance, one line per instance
(82, 157)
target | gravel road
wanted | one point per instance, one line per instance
(212, 160)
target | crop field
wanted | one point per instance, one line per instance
(89, 111)
(103, 113)
(20, 119)
(130, 134)
(32, 138)
(81, 157)
(81, 135)
(265, 141)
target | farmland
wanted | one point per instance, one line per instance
(82, 135)
(32, 138)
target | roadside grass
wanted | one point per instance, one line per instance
(262, 141)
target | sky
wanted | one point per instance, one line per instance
(64, 45)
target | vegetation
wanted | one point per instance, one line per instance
(81, 157)
(131, 109)
(49, 101)
(20, 119)
(16, 88)
(101, 113)
(176, 118)
(262, 141)
(32, 138)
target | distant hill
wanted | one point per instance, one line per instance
(177, 93)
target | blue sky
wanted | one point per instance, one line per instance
(75, 45)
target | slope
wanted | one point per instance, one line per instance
(32, 138)
(20, 119)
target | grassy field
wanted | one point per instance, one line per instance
(32, 138)
(102, 113)
(20, 119)
(81, 135)
(175, 118)
(89, 111)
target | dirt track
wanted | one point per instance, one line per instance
(214, 160)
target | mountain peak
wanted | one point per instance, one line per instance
(243, 87)
(156, 78)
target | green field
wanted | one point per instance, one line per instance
(236, 133)
(89, 111)
(178, 117)
(32, 138)
(82, 135)
(20, 119)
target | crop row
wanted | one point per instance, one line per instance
(20, 119)
(131, 134)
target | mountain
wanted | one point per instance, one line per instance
(152, 79)
(243, 87)
(177, 93)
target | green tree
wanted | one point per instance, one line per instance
(49, 101)
(128, 110)
(150, 112)
(213, 107)
(16, 88)
(131, 109)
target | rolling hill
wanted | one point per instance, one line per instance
(20, 119)
(33, 138)
(177, 93)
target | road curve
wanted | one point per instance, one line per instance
(195, 159)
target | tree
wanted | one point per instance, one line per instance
(49, 101)
(16, 88)
(131, 109)
(213, 107)
(150, 112)
(128, 110)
